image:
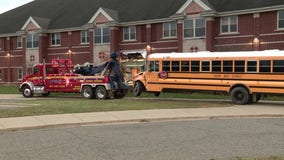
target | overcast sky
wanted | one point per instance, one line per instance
(6, 5)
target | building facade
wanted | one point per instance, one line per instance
(89, 30)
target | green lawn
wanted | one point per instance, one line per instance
(9, 89)
(77, 104)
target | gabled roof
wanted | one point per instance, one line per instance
(40, 23)
(109, 14)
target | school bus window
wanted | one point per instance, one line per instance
(185, 66)
(239, 66)
(264, 66)
(216, 66)
(227, 66)
(175, 65)
(195, 66)
(205, 66)
(154, 66)
(252, 66)
(166, 65)
(278, 66)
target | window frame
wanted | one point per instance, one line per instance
(175, 66)
(55, 39)
(195, 66)
(194, 28)
(167, 27)
(229, 20)
(34, 42)
(20, 73)
(279, 67)
(19, 42)
(263, 67)
(278, 20)
(85, 37)
(129, 33)
(104, 38)
(166, 66)
(250, 66)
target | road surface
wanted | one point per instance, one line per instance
(170, 140)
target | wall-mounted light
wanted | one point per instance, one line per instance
(255, 40)
(149, 49)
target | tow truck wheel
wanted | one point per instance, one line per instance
(101, 92)
(27, 92)
(88, 92)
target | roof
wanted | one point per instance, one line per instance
(62, 14)
(206, 54)
(235, 5)
(74, 13)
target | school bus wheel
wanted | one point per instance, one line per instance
(137, 90)
(240, 95)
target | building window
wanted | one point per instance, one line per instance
(194, 28)
(32, 40)
(229, 24)
(102, 35)
(0, 74)
(19, 42)
(20, 74)
(281, 19)
(170, 29)
(129, 33)
(85, 37)
(55, 39)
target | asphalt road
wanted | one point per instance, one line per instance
(171, 140)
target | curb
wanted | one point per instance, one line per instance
(141, 121)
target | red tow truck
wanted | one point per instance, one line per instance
(101, 82)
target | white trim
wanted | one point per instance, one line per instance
(228, 37)
(187, 3)
(272, 34)
(235, 44)
(274, 42)
(166, 41)
(104, 13)
(128, 44)
(28, 21)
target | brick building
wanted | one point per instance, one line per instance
(89, 30)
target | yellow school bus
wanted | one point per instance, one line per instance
(245, 76)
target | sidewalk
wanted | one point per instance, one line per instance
(141, 116)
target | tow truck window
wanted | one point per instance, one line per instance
(36, 70)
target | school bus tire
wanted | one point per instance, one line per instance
(137, 89)
(240, 95)
(157, 94)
